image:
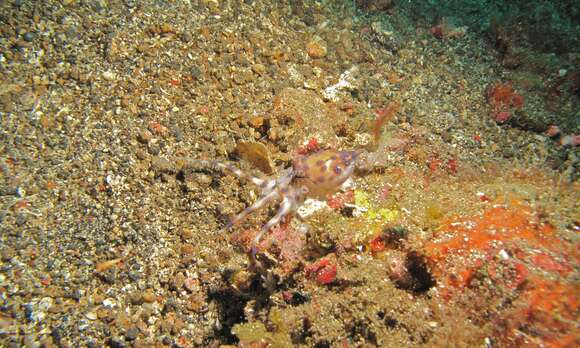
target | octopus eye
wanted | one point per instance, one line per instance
(304, 190)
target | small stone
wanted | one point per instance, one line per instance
(177, 133)
(20, 219)
(109, 75)
(259, 69)
(186, 37)
(186, 233)
(187, 249)
(28, 37)
(195, 72)
(170, 305)
(257, 154)
(7, 254)
(103, 313)
(57, 334)
(132, 333)
(166, 29)
(136, 298)
(91, 315)
(116, 342)
(144, 136)
(134, 276)
(109, 302)
(55, 309)
(28, 100)
(242, 76)
(178, 325)
(141, 154)
(154, 149)
(257, 122)
(316, 49)
(191, 284)
(148, 296)
(195, 302)
(177, 282)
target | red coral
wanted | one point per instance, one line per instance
(339, 200)
(548, 263)
(517, 100)
(452, 166)
(284, 241)
(323, 270)
(310, 147)
(437, 31)
(377, 244)
(511, 252)
(503, 99)
(502, 116)
(500, 95)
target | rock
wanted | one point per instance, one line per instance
(308, 116)
(316, 49)
(7, 254)
(132, 333)
(144, 136)
(28, 100)
(257, 122)
(257, 154)
(148, 296)
(186, 37)
(259, 69)
(91, 315)
(116, 342)
(177, 282)
(28, 37)
(109, 75)
(154, 149)
(136, 298)
(374, 5)
(195, 72)
(186, 233)
(187, 249)
(177, 133)
(103, 313)
(191, 284)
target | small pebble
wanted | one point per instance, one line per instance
(148, 296)
(109, 76)
(257, 154)
(316, 49)
(144, 136)
(191, 284)
(28, 37)
(132, 333)
(195, 72)
(7, 254)
(153, 149)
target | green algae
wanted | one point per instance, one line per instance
(372, 211)
(257, 332)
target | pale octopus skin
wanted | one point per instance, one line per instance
(316, 175)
